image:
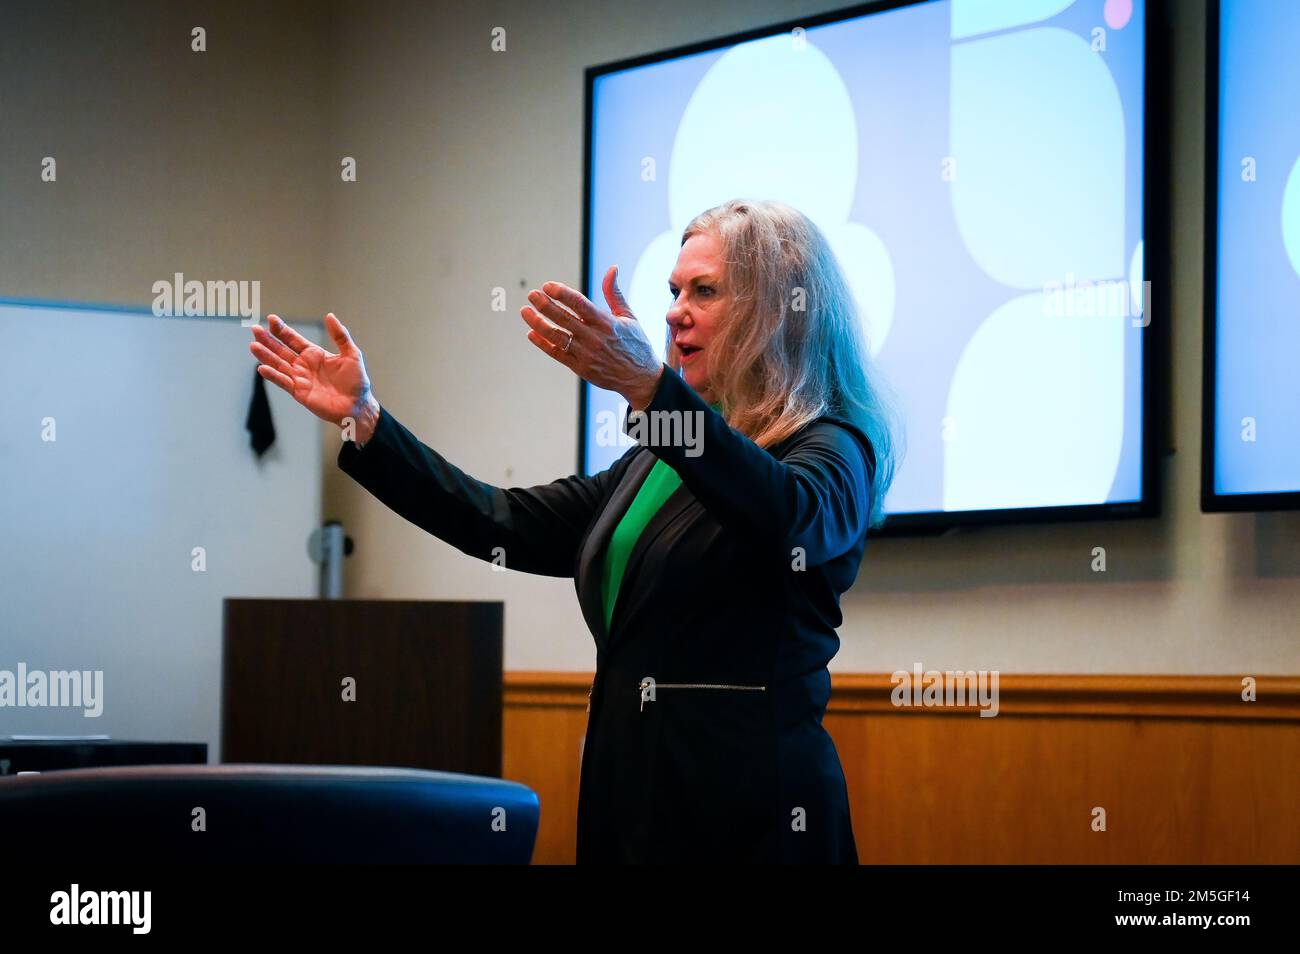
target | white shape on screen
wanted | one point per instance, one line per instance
(972, 17)
(1038, 135)
(1038, 404)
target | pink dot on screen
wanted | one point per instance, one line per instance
(1118, 13)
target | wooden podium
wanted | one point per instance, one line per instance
(363, 682)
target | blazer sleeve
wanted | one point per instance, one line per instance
(816, 497)
(531, 529)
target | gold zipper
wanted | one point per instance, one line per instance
(589, 692)
(646, 685)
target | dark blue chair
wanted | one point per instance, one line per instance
(270, 814)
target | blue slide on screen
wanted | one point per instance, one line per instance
(1256, 417)
(978, 169)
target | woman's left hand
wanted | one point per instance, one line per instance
(608, 348)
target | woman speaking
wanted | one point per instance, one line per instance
(709, 570)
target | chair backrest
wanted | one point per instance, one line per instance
(270, 813)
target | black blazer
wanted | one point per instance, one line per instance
(704, 740)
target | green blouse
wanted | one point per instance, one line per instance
(653, 494)
(658, 487)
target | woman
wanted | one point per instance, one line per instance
(709, 571)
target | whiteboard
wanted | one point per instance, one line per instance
(150, 460)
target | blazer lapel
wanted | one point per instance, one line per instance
(591, 562)
(628, 590)
(590, 567)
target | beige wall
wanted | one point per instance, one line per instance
(470, 169)
(168, 160)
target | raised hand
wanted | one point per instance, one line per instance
(332, 386)
(607, 348)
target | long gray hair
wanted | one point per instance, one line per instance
(791, 348)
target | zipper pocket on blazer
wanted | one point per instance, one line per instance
(645, 685)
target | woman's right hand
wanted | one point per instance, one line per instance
(334, 387)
